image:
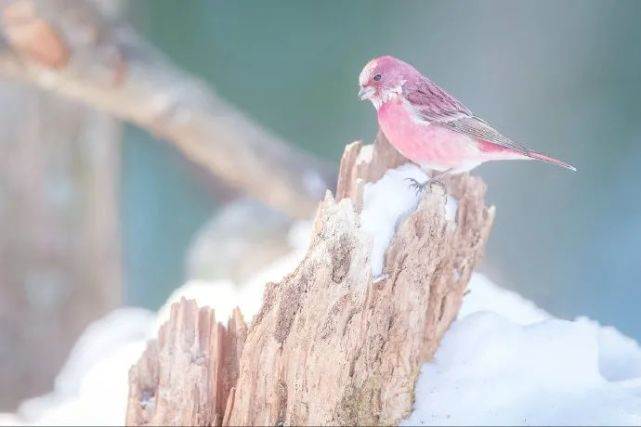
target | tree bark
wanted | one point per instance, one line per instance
(331, 345)
(70, 48)
(185, 377)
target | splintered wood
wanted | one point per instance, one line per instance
(185, 377)
(330, 344)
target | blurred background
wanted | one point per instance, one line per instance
(96, 213)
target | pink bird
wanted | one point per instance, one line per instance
(430, 127)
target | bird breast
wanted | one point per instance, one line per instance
(423, 143)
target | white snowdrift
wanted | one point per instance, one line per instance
(92, 387)
(505, 367)
(224, 296)
(504, 361)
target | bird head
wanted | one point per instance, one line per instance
(382, 79)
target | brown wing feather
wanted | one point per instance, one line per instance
(433, 102)
(475, 127)
(436, 106)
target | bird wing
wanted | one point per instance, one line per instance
(437, 107)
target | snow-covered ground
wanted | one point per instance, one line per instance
(92, 387)
(504, 361)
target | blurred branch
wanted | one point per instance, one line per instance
(70, 48)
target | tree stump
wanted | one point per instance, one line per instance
(331, 344)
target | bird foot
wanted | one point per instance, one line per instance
(420, 187)
(417, 186)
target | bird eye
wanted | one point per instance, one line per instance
(377, 77)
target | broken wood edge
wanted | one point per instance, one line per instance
(330, 345)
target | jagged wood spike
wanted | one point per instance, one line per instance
(331, 345)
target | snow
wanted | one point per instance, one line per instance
(92, 387)
(387, 202)
(484, 295)
(7, 419)
(219, 248)
(224, 296)
(506, 362)
(314, 183)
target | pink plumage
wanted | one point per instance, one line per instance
(430, 127)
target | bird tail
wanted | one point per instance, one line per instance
(550, 160)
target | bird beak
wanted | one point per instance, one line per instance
(366, 92)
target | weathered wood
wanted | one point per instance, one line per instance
(70, 48)
(332, 345)
(362, 164)
(185, 377)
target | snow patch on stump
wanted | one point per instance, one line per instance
(387, 202)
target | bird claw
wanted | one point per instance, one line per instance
(417, 186)
(420, 187)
